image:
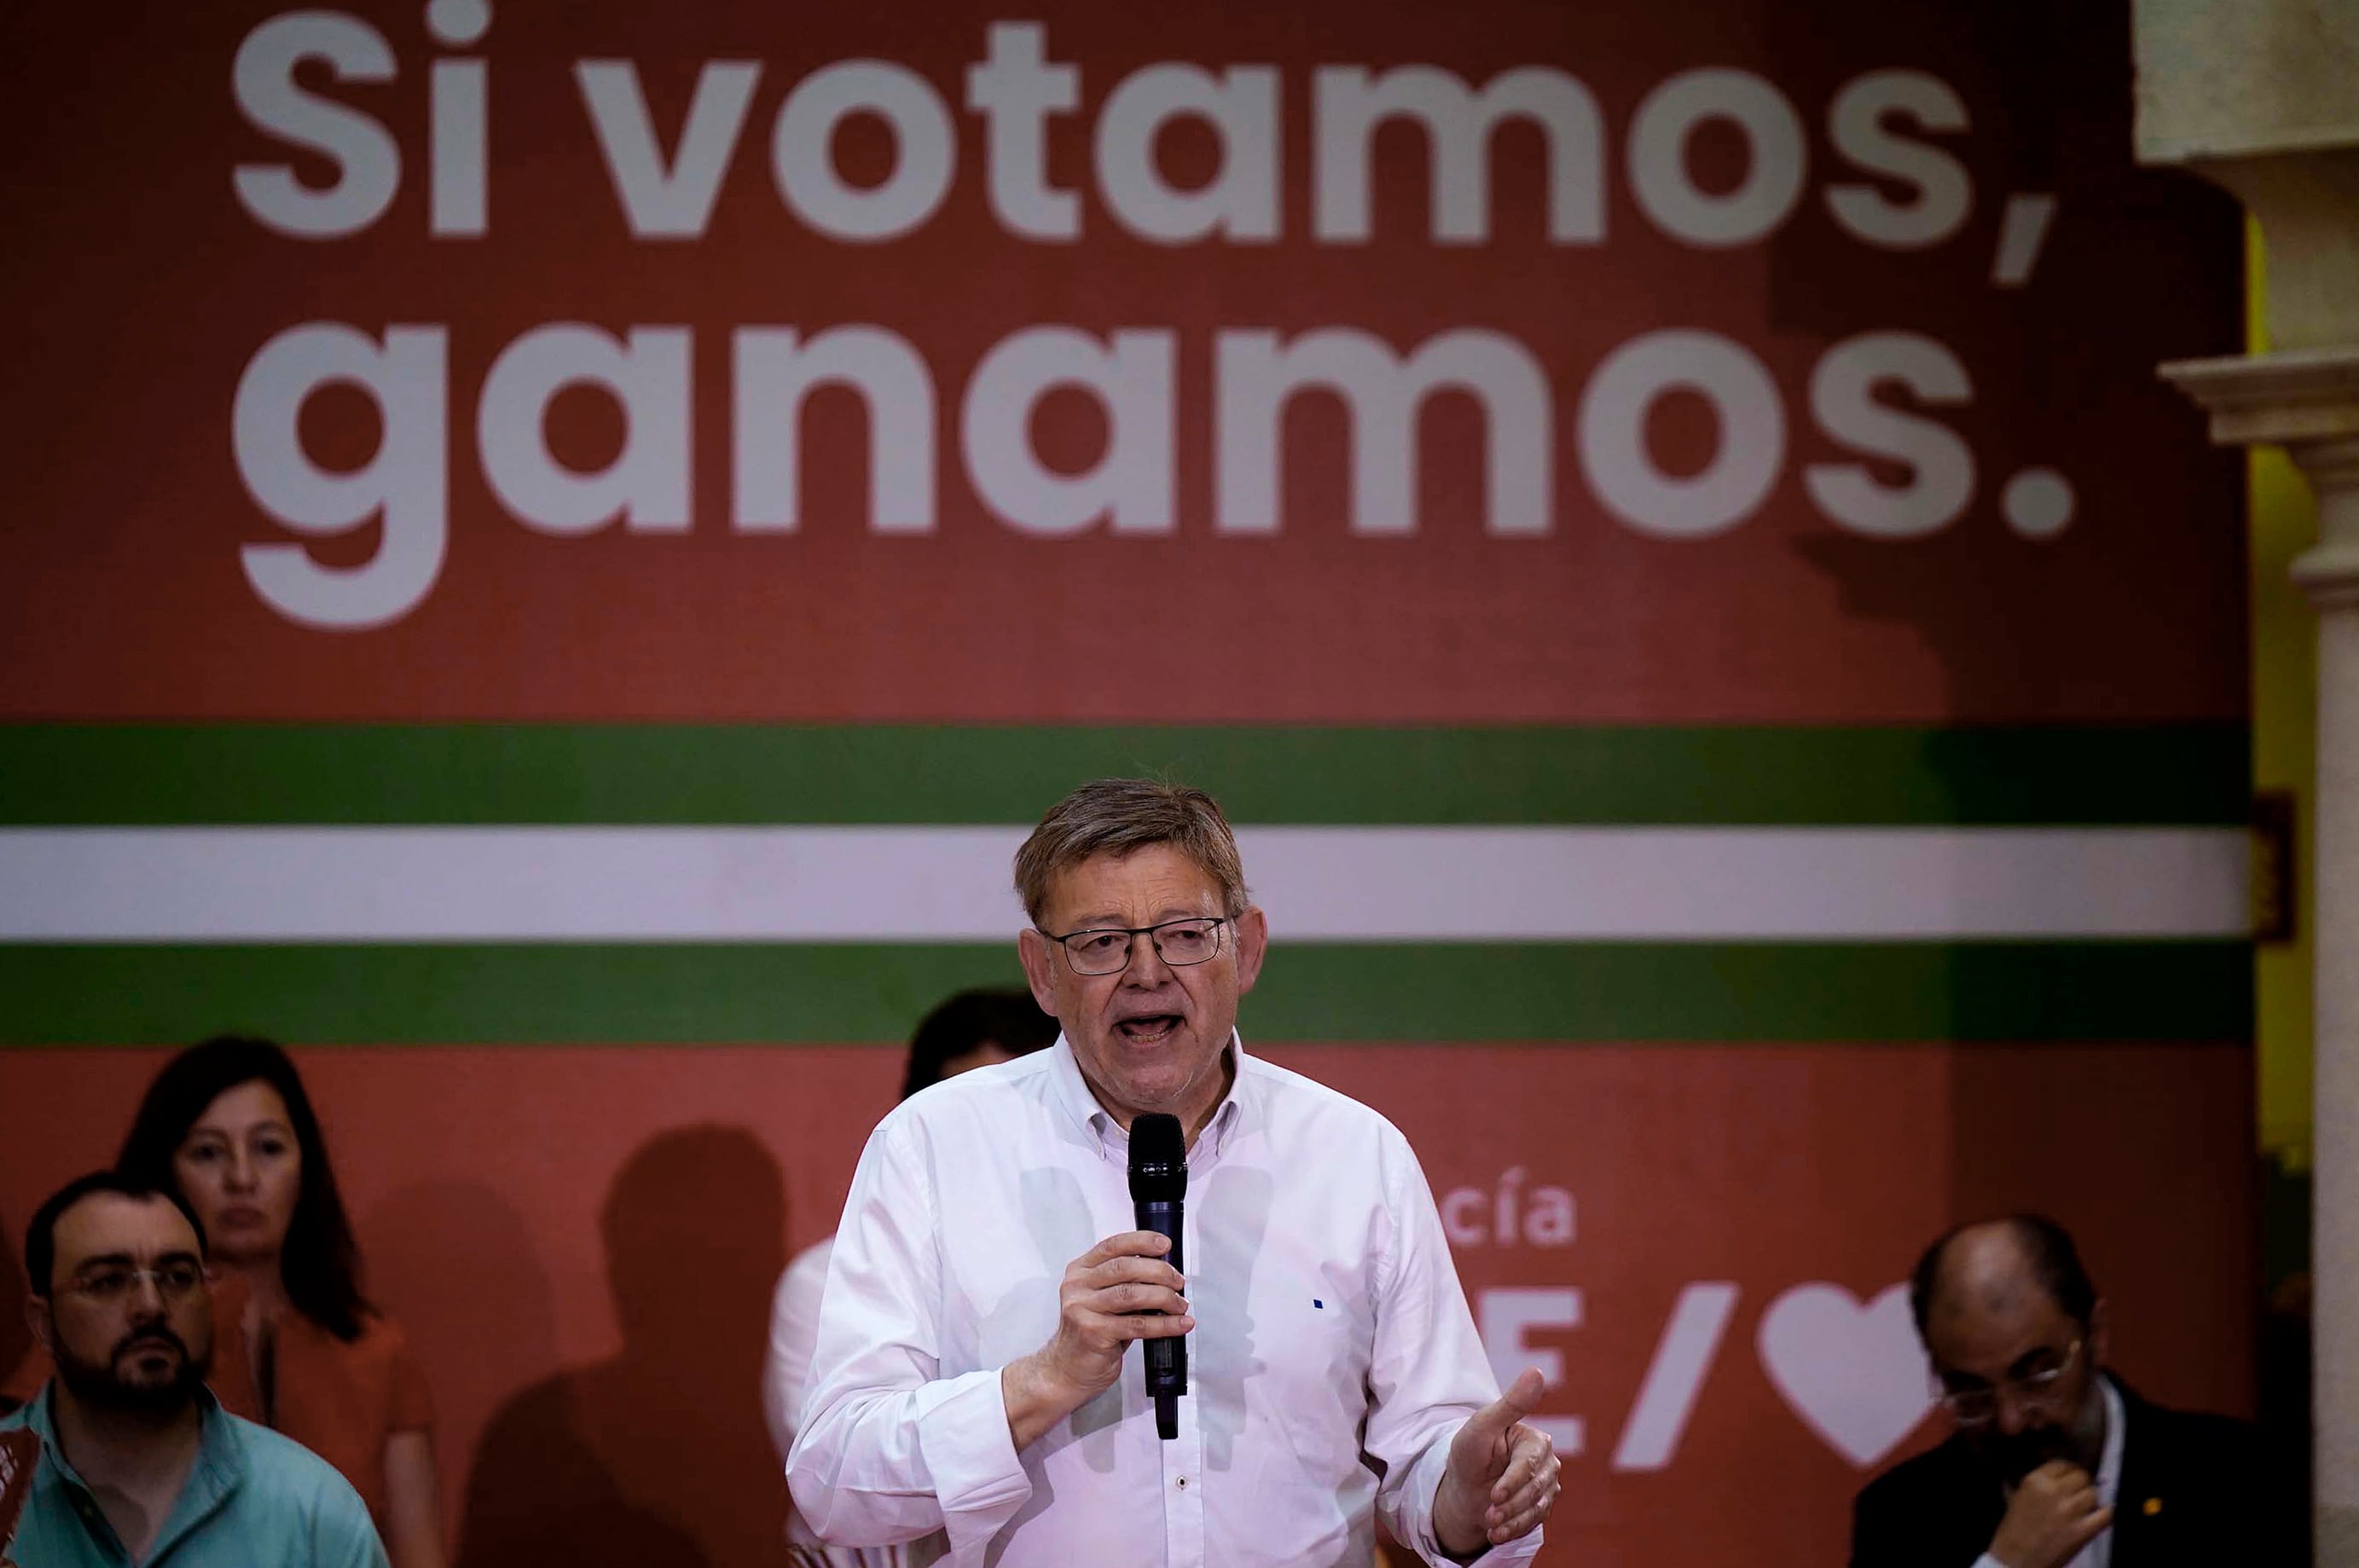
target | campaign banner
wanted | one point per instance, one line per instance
(1632, 364)
(554, 552)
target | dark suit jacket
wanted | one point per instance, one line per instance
(2190, 1495)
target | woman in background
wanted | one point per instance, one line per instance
(296, 1346)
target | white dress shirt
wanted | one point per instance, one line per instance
(2098, 1553)
(794, 1332)
(1333, 1359)
(786, 1376)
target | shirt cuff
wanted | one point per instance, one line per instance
(1987, 1560)
(978, 1480)
(1510, 1554)
(1418, 1493)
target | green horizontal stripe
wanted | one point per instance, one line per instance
(68, 773)
(680, 994)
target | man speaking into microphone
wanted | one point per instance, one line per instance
(973, 1372)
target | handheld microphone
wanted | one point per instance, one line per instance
(1159, 1182)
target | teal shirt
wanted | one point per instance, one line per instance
(252, 1499)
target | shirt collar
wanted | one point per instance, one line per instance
(1108, 1136)
(2109, 1465)
(219, 1469)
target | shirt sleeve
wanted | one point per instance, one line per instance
(412, 1405)
(890, 1449)
(794, 1338)
(342, 1534)
(1429, 1372)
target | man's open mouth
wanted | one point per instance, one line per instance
(1148, 1029)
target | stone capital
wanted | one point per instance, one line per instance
(2308, 402)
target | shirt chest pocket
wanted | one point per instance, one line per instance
(1291, 1368)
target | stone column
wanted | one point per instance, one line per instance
(2262, 97)
(2308, 402)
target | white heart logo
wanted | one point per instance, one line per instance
(1854, 1374)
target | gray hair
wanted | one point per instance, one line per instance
(1120, 817)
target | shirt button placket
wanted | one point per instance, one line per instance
(1186, 1459)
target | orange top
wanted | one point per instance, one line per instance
(341, 1402)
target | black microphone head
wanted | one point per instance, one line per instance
(1158, 1159)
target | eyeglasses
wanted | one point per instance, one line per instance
(173, 1281)
(1107, 950)
(1978, 1406)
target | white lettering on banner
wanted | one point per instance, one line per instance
(1131, 490)
(1241, 105)
(1458, 122)
(1745, 405)
(776, 371)
(1842, 400)
(1774, 157)
(368, 164)
(647, 482)
(1944, 192)
(401, 486)
(1543, 1217)
(1855, 1375)
(1014, 91)
(458, 156)
(667, 189)
(660, 203)
(803, 160)
(1130, 484)
(1257, 377)
(1506, 1314)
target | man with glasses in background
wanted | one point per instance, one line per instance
(989, 1278)
(2055, 1463)
(138, 1463)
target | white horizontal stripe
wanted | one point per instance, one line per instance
(840, 884)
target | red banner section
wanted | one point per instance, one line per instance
(581, 1244)
(1612, 364)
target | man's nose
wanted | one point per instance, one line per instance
(1146, 967)
(147, 1297)
(2013, 1415)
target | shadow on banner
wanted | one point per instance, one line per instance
(658, 1457)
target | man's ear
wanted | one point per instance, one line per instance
(1038, 959)
(36, 1318)
(2100, 1332)
(1252, 942)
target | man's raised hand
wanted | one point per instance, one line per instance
(2053, 1514)
(1110, 1296)
(1502, 1477)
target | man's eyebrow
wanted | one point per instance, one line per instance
(128, 1260)
(105, 1260)
(1104, 920)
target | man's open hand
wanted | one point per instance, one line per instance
(1502, 1477)
(2053, 1514)
(1098, 1314)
